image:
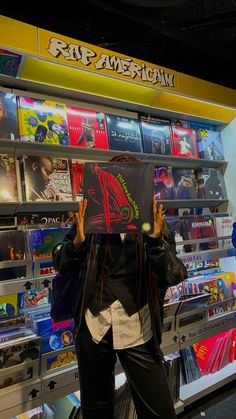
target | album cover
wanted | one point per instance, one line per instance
(123, 133)
(8, 179)
(156, 135)
(11, 378)
(77, 179)
(164, 184)
(55, 335)
(33, 298)
(200, 125)
(61, 360)
(210, 184)
(12, 245)
(120, 197)
(184, 142)
(43, 241)
(8, 116)
(9, 62)
(87, 128)
(8, 307)
(47, 219)
(42, 121)
(224, 228)
(185, 183)
(45, 178)
(178, 229)
(19, 350)
(200, 227)
(210, 144)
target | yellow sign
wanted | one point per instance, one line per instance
(71, 52)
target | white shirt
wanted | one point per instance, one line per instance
(127, 331)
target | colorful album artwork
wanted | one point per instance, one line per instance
(8, 306)
(8, 179)
(87, 128)
(42, 121)
(46, 178)
(55, 335)
(61, 360)
(33, 298)
(43, 241)
(124, 133)
(8, 116)
(120, 197)
(156, 135)
(210, 144)
(184, 142)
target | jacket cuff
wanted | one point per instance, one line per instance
(71, 252)
(152, 242)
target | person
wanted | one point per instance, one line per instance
(38, 170)
(118, 313)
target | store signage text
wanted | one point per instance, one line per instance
(124, 66)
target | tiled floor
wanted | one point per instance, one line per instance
(219, 405)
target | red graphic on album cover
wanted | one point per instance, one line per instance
(115, 204)
(184, 142)
(87, 128)
(77, 178)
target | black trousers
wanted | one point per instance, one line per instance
(144, 371)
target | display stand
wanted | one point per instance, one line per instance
(84, 84)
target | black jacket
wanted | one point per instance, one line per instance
(87, 259)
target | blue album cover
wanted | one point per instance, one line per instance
(43, 241)
(199, 125)
(210, 144)
(54, 335)
(156, 135)
(123, 133)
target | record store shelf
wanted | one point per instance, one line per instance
(209, 253)
(19, 148)
(191, 392)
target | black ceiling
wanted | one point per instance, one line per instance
(195, 37)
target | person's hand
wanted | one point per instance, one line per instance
(159, 219)
(80, 236)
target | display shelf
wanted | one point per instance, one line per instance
(20, 398)
(60, 383)
(206, 239)
(193, 203)
(195, 332)
(19, 148)
(205, 385)
(209, 254)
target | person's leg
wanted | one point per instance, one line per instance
(96, 374)
(148, 383)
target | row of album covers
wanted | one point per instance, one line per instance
(47, 178)
(47, 121)
(39, 233)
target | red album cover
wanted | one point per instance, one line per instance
(77, 179)
(87, 128)
(120, 197)
(184, 142)
(204, 351)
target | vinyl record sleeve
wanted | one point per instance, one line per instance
(8, 116)
(43, 241)
(184, 142)
(8, 179)
(77, 178)
(120, 197)
(210, 144)
(156, 135)
(124, 133)
(12, 245)
(45, 178)
(87, 128)
(42, 121)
